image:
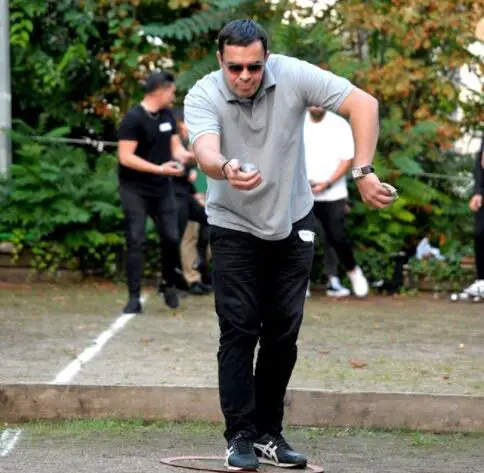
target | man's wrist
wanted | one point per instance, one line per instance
(222, 168)
(358, 172)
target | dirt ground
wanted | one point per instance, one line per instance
(402, 343)
(131, 447)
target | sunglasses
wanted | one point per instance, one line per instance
(238, 68)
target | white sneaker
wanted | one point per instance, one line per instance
(358, 282)
(336, 289)
(476, 289)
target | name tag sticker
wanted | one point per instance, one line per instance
(165, 127)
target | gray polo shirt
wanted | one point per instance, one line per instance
(267, 131)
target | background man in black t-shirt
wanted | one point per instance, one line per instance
(150, 152)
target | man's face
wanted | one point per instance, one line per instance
(165, 96)
(317, 113)
(243, 67)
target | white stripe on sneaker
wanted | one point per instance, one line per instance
(268, 451)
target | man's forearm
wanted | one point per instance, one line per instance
(179, 153)
(139, 164)
(340, 171)
(362, 110)
(210, 161)
(364, 123)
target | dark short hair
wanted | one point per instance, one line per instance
(241, 33)
(157, 80)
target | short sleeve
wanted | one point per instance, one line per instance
(172, 120)
(319, 87)
(130, 129)
(200, 114)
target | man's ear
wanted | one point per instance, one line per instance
(219, 58)
(268, 53)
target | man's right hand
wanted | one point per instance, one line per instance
(171, 168)
(476, 202)
(244, 181)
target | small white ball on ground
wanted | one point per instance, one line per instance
(454, 297)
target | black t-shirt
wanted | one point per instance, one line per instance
(153, 132)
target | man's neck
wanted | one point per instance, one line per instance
(149, 106)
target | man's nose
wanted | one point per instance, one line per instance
(245, 74)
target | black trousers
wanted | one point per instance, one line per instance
(329, 255)
(332, 216)
(189, 209)
(260, 289)
(479, 242)
(162, 211)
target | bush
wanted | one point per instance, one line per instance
(61, 207)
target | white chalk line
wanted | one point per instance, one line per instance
(8, 440)
(10, 437)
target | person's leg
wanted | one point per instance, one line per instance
(476, 289)
(330, 259)
(479, 243)
(237, 282)
(164, 213)
(189, 254)
(135, 212)
(319, 232)
(334, 286)
(205, 255)
(183, 212)
(287, 269)
(333, 217)
(197, 214)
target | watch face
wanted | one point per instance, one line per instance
(362, 171)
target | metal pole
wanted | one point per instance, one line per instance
(5, 94)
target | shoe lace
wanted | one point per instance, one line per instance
(242, 445)
(281, 443)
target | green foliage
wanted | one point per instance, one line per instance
(217, 13)
(60, 205)
(439, 275)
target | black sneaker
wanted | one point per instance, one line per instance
(133, 306)
(171, 297)
(198, 289)
(274, 450)
(240, 454)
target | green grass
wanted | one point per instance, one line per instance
(84, 428)
(88, 426)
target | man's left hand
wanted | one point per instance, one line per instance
(318, 187)
(373, 193)
(184, 156)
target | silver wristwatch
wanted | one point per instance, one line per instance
(362, 171)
